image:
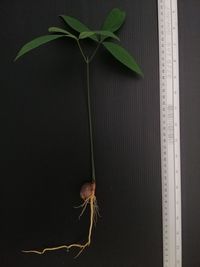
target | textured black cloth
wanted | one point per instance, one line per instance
(44, 151)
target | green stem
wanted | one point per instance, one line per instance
(81, 50)
(94, 53)
(90, 121)
(88, 60)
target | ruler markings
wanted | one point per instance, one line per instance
(170, 132)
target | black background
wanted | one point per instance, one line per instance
(45, 141)
(189, 41)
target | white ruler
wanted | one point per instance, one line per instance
(170, 132)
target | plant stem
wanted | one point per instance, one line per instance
(81, 50)
(88, 60)
(90, 121)
(94, 53)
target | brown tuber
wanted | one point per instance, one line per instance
(87, 190)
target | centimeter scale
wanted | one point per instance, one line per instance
(170, 132)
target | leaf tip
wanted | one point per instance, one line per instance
(62, 16)
(16, 58)
(139, 72)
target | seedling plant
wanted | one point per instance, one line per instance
(106, 38)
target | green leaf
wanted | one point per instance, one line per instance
(106, 34)
(114, 20)
(77, 25)
(59, 30)
(36, 43)
(123, 56)
(86, 34)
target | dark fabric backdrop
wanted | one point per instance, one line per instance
(45, 141)
(189, 42)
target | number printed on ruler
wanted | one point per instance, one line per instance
(170, 132)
